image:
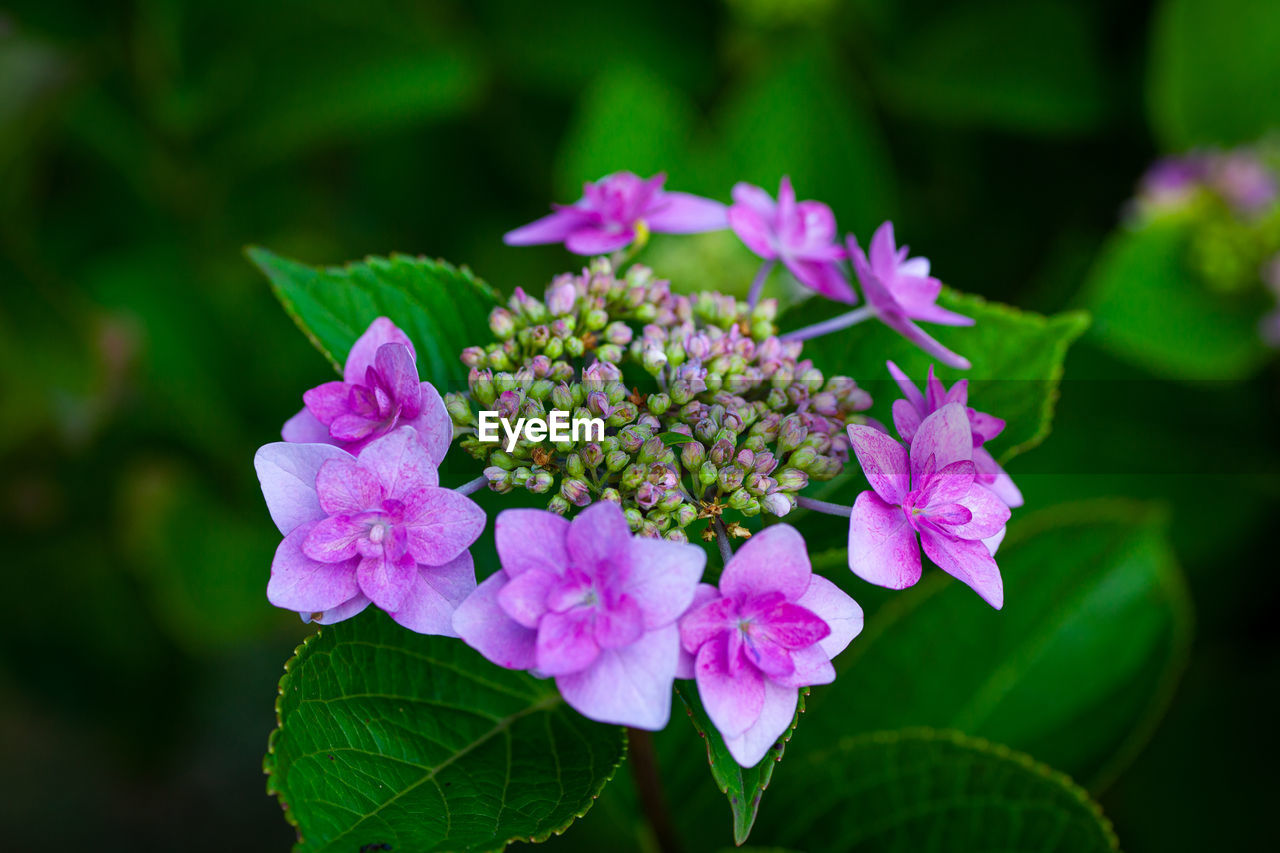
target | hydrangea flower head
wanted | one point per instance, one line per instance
(615, 210)
(908, 414)
(770, 628)
(592, 606)
(931, 492)
(800, 234)
(900, 291)
(379, 392)
(373, 528)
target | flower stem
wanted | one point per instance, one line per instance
(826, 327)
(824, 507)
(644, 770)
(472, 485)
(722, 539)
(757, 283)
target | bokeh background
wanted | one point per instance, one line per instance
(142, 358)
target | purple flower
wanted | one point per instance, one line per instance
(379, 392)
(614, 209)
(1172, 180)
(1243, 180)
(771, 628)
(802, 235)
(908, 414)
(376, 527)
(900, 290)
(587, 603)
(933, 492)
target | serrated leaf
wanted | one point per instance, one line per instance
(442, 308)
(920, 789)
(1077, 667)
(743, 786)
(390, 737)
(1152, 311)
(1017, 359)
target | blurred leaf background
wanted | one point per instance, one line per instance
(143, 359)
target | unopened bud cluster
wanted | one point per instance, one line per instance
(731, 419)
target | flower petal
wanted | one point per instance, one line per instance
(755, 198)
(825, 277)
(346, 486)
(704, 594)
(835, 607)
(753, 230)
(732, 701)
(436, 593)
(397, 370)
(989, 514)
(773, 560)
(882, 544)
(482, 624)
(353, 607)
(945, 437)
(900, 323)
(287, 473)
(566, 643)
(598, 240)
(629, 686)
(948, 485)
(333, 540)
(441, 524)
(619, 625)
(682, 213)
(327, 401)
(599, 541)
(365, 349)
(908, 388)
(400, 462)
(433, 424)
(996, 479)
(531, 539)
(809, 667)
(777, 710)
(305, 428)
(304, 585)
(524, 597)
(663, 578)
(883, 460)
(386, 582)
(966, 560)
(552, 228)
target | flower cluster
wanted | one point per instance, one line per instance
(712, 421)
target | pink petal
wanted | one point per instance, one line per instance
(524, 597)
(436, 593)
(834, 606)
(287, 473)
(945, 437)
(786, 200)
(305, 428)
(704, 593)
(433, 424)
(989, 514)
(883, 251)
(599, 541)
(906, 419)
(777, 710)
(441, 524)
(333, 540)
(552, 228)
(396, 368)
(531, 539)
(883, 461)
(733, 702)
(918, 336)
(773, 560)
(663, 578)
(908, 388)
(817, 222)
(328, 401)
(598, 240)
(882, 544)
(712, 615)
(791, 626)
(753, 230)
(682, 213)
(304, 585)
(482, 624)
(985, 427)
(995, 478)
(566, 643)
(950, 484)
(619, 625)
(354, 428)
(386, 582)
(346, 486)
(967, 560)
(809, 667)
(993, 542)
(400, 462)
(825, 277)
(365, 349)
(629, 686)
(349, 608)
(930, 313)
(756, 199)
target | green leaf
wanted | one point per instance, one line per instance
(392, 737)
(442, 308)
(670, 438)
(744, 786)
(919, 789)
(1152, 311)
(1016, 355)
(1077, 667)
(1213, 71)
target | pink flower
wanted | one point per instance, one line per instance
(379, 392)
(376, 527)
(613, 209)
(908, 413)
(802, 235)
(771, 628)
(932, 492)
(900, 290)
(589, 604)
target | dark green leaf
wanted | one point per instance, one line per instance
(392, 737)
(744, 786)
(919, 789)
(1151, 310)
(670, 438)
(442, 308)
(1076, 668)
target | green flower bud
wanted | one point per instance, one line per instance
(616, 461)
(659, 403)
(573, 465)
(707, 473)
(574, 347)
(692, 455)
(558, 505)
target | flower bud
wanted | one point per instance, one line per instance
(611, 353)
(618, 333)
(632, 477)
(671, 499)
(459, 408)
(648, 495)
(558, 505)
(596, 319)
(659, 403)
(576, 492)
(574, 466)
(778, 504)
(611, 496)
(677, 535)
(825, 468)
(521, 475)
(502, 323)
(592, 455)
(540, 482)
(474, 357)
(804, 459)
(729, 478)
(574, 347)
(634, 518)
(654, 360)
(792, 479)
(738, 499)
(791, 433)
(554, 348)
(692, 455)
(503, 460)
(684, 515)
(707, 473)
(482, 387)
(616, 461)
(652, 450)
(721, 452)
(623, 413)
(561, 298)
(499, 480)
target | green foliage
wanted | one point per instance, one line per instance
(919, 789)
(1076, 669)
(1213, 71)
(392, 737)
(1151, 309)
(1017, 359)
(442, 308)
(744, 786)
